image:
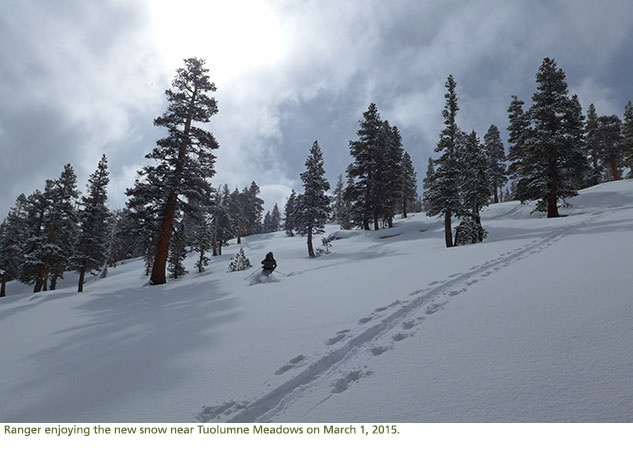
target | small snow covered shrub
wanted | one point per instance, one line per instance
(469, 232)
(239, 262)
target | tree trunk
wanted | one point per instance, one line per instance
(220, 248)
(40, 280)
(390, 222)
(214, 241)
(3, 285)
(54, 283)
(448, 231)
(366, 224)
(496, 195)
(239, 238)
(404, 209)
(375, 221)
(45, 284)
(82, 273)
(162, 248)
(310, 249)
(614, 170)
(552, 203)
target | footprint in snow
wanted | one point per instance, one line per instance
(342, 384)
(335, 339)
(219, 411)
(433, 308)
(454, 293)
(434, 283)
(407, 325)
(291, 365)
(399, 336)
(379, 350)
(364, 320)
(381, 309)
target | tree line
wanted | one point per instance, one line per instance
(553, 151)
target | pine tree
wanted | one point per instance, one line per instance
(237, 208)
(592, 149)
(476, 179)
(363, 190)
(11, 236)
(627, 137)
(443, 196)
(496, 159)
(202, 243)
(184, 161)
(289, 214)
(275, 219)
(312, 208)
(610, 143)
(409, 184)
(338, 202)
(267, 226)
(427, 184)
(178, 251)
(239, 262)
(223, 224)
(390, 175)
(547, 145)
(92, 243)
(253, 208)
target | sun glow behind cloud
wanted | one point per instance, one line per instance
(233, 36)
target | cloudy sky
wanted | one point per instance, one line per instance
(80, 78)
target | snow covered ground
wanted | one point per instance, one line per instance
(534, 324)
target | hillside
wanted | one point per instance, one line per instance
(534, 324)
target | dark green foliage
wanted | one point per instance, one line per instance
(338, 201)
(475, 185)
(627, 137)
(202, 242)
(408, 185)
(496, 160)
(547, 142)
(239, 262)
(443, 195)
(469, 232)
(610, 144)
(11, 235)
(92, 243)
(289, 213)
(595, 172)
(275, 219)
(312, 208)
(177, 251)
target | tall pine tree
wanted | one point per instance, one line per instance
(92, 244)
(496, 160)
(183, 160)
(313, 206)
(627, 137)
(443, 190)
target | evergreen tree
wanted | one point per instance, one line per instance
(202, 243)
(239, 262)
(496, 159)
(178, 251)
(237, 208)
(11, 236)
(338, 201)
(390, 175)
(289, 213)
(183, 160)
(253, 208)
(610, 143)
(223, 224)
(32, 266)
(476, 177)
(92, 244)
(275, 219)
(427, 183)
(547, 151)
(267, 228)
(627, 137)
(443, 195)
(592, 149)
(409, 184)
(363, 190)
(313, 206)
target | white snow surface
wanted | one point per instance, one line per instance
(534, 324)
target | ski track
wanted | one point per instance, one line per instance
(381, 333)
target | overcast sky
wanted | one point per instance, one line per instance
(81, 78)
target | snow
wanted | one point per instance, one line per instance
(533, 324)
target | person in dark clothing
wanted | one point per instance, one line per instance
(269, 264)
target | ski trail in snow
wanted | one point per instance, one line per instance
(269, 404)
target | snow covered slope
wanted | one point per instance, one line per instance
(534, 324)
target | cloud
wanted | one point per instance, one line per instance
(84, 78)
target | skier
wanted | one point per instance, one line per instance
(269, 264)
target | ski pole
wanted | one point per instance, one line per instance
(281, 273)
(251, 274)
